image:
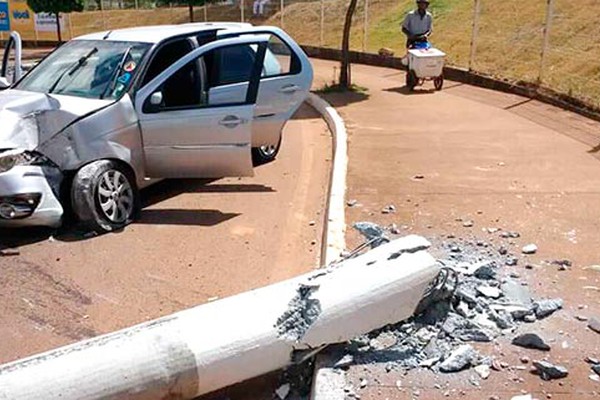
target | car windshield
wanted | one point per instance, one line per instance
(95, 69)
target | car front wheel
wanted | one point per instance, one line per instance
(104, 196)
(265, 154)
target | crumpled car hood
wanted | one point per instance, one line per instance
(28, 119)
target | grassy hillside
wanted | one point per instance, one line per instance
(509, 43)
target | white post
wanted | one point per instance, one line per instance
(366, 27)
(475, 32)
(549, 15)
(202, 349)
(70, 26)
(282, 6)
(137, 5)
(322, 27)
(205, 12)
(242, 5)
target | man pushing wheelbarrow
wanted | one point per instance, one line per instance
(423, 61)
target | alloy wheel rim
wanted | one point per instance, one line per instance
(115, 196)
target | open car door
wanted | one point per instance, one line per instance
(185, 135)
(285, 82)
(11, 68)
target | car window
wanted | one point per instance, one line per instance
(87, 68)
(229, 65)
(190, 86)
(279, 60)
(165, 57)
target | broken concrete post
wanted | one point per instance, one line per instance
(217, 344)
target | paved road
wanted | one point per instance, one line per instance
(195, 241)
(499, 160)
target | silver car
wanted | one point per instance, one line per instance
(109, 113)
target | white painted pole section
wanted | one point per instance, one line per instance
(205, 13)
(242, 10)
(221, 343)
(335, 242)
(547, 26)
(282, 7)
(475, 33)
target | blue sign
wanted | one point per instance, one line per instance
(4, 20)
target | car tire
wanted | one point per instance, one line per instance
(265, 154)
(104, 196)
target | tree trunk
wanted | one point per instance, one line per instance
(58, 32)
(345, 68)
(191, 8)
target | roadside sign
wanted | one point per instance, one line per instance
(4, 17)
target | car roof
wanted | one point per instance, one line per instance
(158, 33)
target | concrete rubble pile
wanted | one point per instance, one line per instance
(477, 301)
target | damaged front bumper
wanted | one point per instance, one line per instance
(29, 197)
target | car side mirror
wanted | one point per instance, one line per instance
(154, 103)
(4, 83)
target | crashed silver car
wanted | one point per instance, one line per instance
(109, 113)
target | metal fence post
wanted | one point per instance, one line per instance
(366, 27)
(322, 27)
(547, 26)
(281, 13)
(475, 33)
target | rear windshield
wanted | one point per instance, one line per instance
(94, 69)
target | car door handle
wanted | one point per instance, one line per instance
(231, 121)
(289, 89)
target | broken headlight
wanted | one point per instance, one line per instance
(13, 158)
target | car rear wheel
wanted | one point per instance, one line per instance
(104, 196)
(265, 154)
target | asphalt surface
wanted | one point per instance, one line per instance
(196, 241)
(501, 161)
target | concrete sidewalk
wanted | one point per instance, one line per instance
(500, 161)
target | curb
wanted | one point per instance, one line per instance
(328, 383)
(334, 241)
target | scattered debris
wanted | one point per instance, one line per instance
(594, 378)
(372, 232)
(418, 177)
(594, 324)
(582, 318)
(596, 368)
(490, 292)
(548, 371)
(544, 308)
(529, 249)
(563, 265)
(522, 397)
(390, 209)
(593, 267)
(363, 383)
(483, 371)
(592, 360)
(351, 203)
(9, 252)
(312, 223)
(283, 391)
(459, 359)
(344, 362)
(531, 341)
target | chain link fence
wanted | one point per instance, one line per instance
(551, 43)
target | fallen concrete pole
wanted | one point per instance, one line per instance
(214, 345)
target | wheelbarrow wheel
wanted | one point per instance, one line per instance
(411, 80)
(438, 82)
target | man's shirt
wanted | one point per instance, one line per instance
(416, 24)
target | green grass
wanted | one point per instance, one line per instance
(509, 41)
